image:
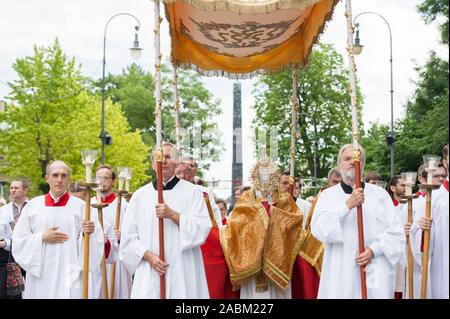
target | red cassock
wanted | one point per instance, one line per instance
(305, 280)
(216, 268)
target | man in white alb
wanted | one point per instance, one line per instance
(122, 282)
(48, 240)
(186, 227)
(334, 223)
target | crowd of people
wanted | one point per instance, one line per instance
(268, 243)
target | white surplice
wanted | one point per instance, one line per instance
(401, 210)
(95, 275)
(54, 271)
(336, 226)
(214, 207)
(123, 282)
(418, 208)
(248, 291)
(304, 207)
(185, 277)
(438, 255)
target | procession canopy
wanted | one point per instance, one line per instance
(242, 38)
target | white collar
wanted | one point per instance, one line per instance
(56, 199)
(165, 183)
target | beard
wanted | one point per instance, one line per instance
(348, 175)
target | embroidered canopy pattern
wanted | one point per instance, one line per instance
(242, 38)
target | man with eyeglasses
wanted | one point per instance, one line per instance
(106, 176)
(440, 174)
(438, 225)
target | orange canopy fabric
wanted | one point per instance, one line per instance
(241, 38)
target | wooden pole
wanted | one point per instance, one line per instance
(426, 247)
(161, 223)
(104, 277)
(87, 217)
(361, 245)
(294, 132)
(210, 211)
(116, 227)
(158, 125)
(356, 146)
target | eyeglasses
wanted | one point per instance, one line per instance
(103, 178)
(443, 176)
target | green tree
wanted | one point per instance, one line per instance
(324, 119)
(423, 130)
(430, 88)
(134, 90)
(377, 150)
(431, 10)
(52, 116)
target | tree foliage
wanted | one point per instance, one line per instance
(134, 90)
(377, 150)
(51, 116)
(324, 119)
(431, 10)
(423, 130)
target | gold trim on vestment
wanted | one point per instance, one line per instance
(311, 249)
(263, 248)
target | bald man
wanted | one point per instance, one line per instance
(186, 227)
(48, 240)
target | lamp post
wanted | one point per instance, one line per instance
(357, 49)
(135, 54)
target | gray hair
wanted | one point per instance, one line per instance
(346, 147)
(174, 151)
(56, 163)
(334, 171)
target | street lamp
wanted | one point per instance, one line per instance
(357, 49)
(105, 137)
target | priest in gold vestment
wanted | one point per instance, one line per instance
(262, 237)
